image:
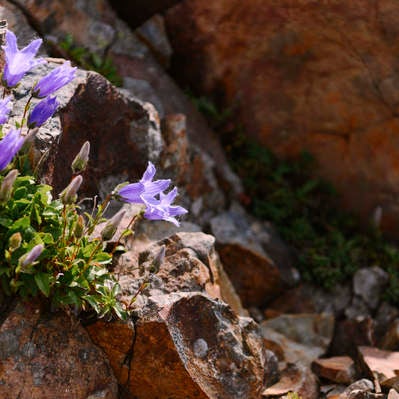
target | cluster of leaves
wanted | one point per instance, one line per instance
(89, 60)
(71, 270)
(330, 244)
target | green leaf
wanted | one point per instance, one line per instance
(43, 282)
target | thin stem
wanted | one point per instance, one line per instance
(26, 109)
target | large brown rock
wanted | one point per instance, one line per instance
(184, 345)
(50, 355)
(320, 76)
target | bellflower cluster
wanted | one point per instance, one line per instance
(47, 247)
(146, 192)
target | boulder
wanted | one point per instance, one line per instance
(331, 90)
(50, 355)
(207, 351)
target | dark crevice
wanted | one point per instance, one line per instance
(7, 305)
(31, 21)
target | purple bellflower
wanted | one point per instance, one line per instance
(42, 111)
(9, 146)
(32, 255)
(135, 192)
(56, 79)
(4, 109)
(18, 62)
(162, 209)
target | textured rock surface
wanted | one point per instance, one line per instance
(331, 89)
(207, 352)
(340, 369)
(50, 355)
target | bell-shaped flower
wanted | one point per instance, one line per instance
(9, 146)
(4, 109)
(134, 192)
(56, 79)
(42, 111)
(18, 62)
(163, 209)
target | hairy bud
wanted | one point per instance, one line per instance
(79, 228)
(112, 224)
(69, 194)
(15, 241)
(7, 185)
(31, 256)
(80, 162)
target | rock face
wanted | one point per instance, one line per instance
(332, 89)
(50, 355)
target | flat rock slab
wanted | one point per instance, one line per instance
(383, 364)
(340, 369)
(393, 394)
(295, 379)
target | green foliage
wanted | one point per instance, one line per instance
(329, 243)
(90, 61)
(293, 395)
(71, 270)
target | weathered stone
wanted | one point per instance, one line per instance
(393, 394)
(390, 341)
(256, 277)
(383, 364)
(340, 369)
(207, 352)
(359, 389)
(302, 338)
(295, 379)
(384, 317)
(369, 283)
(49, 355)
(331, 89)
(351, 333)
(357, 309)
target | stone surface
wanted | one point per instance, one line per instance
(359, 389)
(383, 364)
(50, 355)
(393, 394)
(369, 283)
(339, 369)
(331, 89)
(300, 339)
(390, 340)
(295, 379)
(207, 352)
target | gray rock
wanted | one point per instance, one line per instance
(369, 284)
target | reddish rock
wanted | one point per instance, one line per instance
(295, 379)
(390, 341)
(340, 369)
(380, 363)
(393, 394)
(50, 355)
(330, 89)
(184, 345)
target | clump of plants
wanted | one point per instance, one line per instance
(48, 247)
(329, 243)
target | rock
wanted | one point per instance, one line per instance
(384, 317)
(50, 355)
(349, 334)
(139, 11)
(302, 338)
(383, 364)
(358, 309)
(340, 369)
(207, 352)
(295, 379)
(359, 389)
(258, 58)
(369, 283)
(390, 341)
(393, 394)
(256, 277)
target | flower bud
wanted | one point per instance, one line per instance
(31, 256)
(79, 228)
(69, 194)
(80, 162)
(15, 241)
(7, 185)
(112, 224)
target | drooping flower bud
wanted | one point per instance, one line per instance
(69, 194)
(79, 228)
(80, 162)
(7, 185)
(31, 256)
(112, 224)
(15, 241)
